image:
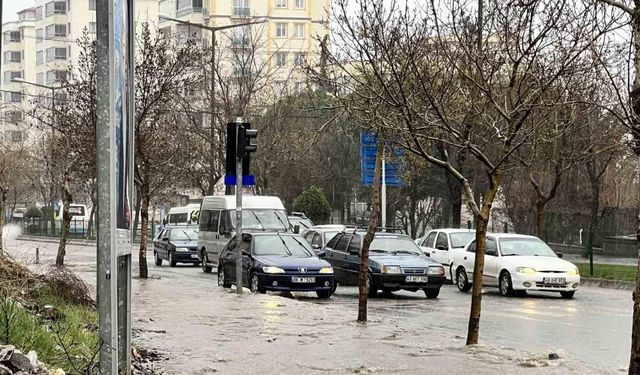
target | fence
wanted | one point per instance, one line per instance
(79, 228)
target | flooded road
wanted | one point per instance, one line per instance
(205, 329)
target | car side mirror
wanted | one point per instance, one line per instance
(321, 254)
(165, 239)
(559, 254)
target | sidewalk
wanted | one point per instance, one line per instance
(71, 241)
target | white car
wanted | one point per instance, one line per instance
(441, 244)
(517, 263)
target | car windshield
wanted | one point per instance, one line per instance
(525, 247)
(186, 234)
(329, 235)
(460, 240)
(262, 219)
(284, 246)
(303, 223)
(394, 244)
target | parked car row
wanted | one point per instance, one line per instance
(323, 257)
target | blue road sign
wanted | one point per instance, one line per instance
(368, 153)
(247, 180)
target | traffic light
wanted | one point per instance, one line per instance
(230, 161)
(239, 146)
(245, 135)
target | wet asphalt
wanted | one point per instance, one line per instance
(206, 329)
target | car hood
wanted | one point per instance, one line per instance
(287, 262)
(539, 263)
(187, 244)
(402, 260)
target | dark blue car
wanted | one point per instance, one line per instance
(277, 262)
(176, 244)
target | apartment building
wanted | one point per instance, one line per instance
(288, 37)
(41, 47)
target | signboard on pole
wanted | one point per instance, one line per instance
(393, 161)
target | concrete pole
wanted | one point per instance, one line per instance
(239, 158)
(383, 190)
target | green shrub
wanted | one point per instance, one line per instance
(314, 204)
(33, 212)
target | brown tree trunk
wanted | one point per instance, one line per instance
(66, 223)
(3, 204)
(482, 221)
(368, 238)
(540, 218)
(136, 218)
(412, 218)
(634, 364)
(144, 231)
(92, 216)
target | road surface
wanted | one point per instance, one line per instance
(206, 329)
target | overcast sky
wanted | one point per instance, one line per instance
(13, 6)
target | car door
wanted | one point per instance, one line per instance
(468, 259)
(491, 258)
(353, 258)
(163, 246)
(340, 260)
(157, 241)
(427, 245)
(228, 259)
(440, 253)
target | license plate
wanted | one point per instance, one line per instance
(417, 279)
(554, 280)
(295, 279)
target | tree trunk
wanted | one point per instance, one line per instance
(92, 216)
(594, 219)
(3, 204)
(412, 218)
(66, 223)
(540, 218)
(634, 361)
(368, 238)
(482, 221)
(136, 219)
(144, 231)
(456, 213)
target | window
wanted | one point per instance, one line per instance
(281, 3)
(92, 27)
(281, 58)
(241, 8)
(12, 36)
(56, 54)
(12, 56)
(301, 58)
(13, 117)
(281, 30)
(354, 245)
(13, 97)
(332, 243)
(240, 40)
(38, 13)
(298, 87)
(16, 136)
(472, 247)
(39, 58)
(40, 76)
(9, 76)
(39, 37)
(225, 222)
(54, 76)
(430, 238)
(442, 243)
(55, 7)
(342, 243)
(299, 30)
(317, 240)
(52, 31)
(300, 4)
(186, 33)
(92, 4)
(492, 247)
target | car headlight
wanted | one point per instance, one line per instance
(391, 269)
(182, 249)
(526, 270)
(326, 270)
(573, 272)
(271, 269)
(435, 270)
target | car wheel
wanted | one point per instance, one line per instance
(462, 280)
(222, 282)
(568, 295)
(323, 294)
(372, 291)
(172, 262)
(205, 268)
(432, 293)
(255, 285)
(506, 288)
(157, 258)
(334, 287)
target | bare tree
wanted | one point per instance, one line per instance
(428, 75)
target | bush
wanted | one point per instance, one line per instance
(314, 204)
(33, 212)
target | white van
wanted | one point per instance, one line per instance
(218, 222)
(183, 215)
(79, 218)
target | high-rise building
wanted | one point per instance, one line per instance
(41, 47)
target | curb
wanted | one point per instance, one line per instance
(607, 284)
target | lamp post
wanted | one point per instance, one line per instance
(53, 133)
(212, 102)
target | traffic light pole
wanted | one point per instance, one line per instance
(239, 157)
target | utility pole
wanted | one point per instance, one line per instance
(239, 157)
(383, 189)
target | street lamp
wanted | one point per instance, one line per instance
(212, 103)
(53, 133)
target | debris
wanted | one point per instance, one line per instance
(553, 356)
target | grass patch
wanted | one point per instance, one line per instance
(609, 271)
(67, 338)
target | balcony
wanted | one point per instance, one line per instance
(241, 12)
